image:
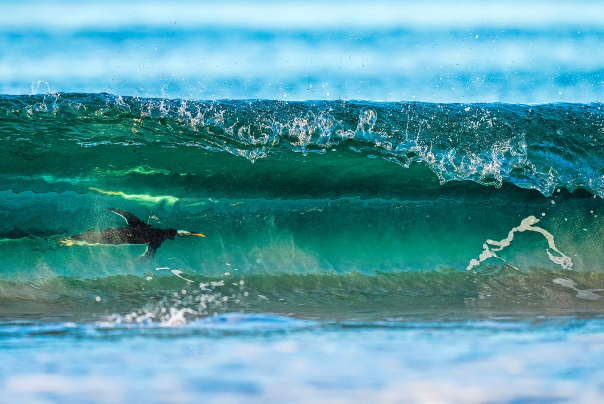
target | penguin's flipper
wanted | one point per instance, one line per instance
(149, 254)
(132, 220)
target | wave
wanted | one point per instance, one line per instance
(542, 147)
(327, 205)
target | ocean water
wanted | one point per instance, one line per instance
(400, 202)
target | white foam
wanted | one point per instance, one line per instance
(177, 317)
(527, 224)
(585, 294)
(177, 273)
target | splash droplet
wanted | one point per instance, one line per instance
(367, 119)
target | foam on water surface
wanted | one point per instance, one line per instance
(527, 224)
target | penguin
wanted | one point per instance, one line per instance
(137, 232)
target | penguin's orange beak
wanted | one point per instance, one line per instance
(184, 233)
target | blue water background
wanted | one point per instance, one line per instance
(514, 52)
(268, 359)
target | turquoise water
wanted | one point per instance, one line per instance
(398, 205)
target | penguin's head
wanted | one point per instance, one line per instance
(184, 233)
